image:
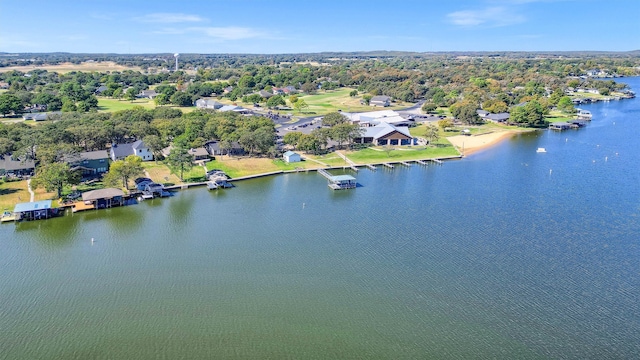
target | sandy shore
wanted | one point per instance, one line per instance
(475, 143)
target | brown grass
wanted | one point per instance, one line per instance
(68, 67)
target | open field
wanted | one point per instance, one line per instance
(160, 173)
(68, 67)
(334, 100)
(238, 166)
(110, 105)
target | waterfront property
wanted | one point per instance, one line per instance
(137, 148)
(291, 157)
(559, 126)
(15, 167)
(91, 163)
(339, 182)
(104, 198)
(385, 134)
(36, 210)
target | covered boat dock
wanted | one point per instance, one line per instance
(36, 210)
(339, 182)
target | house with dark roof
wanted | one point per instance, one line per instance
(90, 163)
(498, 118)
(137, 148)
(149, 94)
(213, 148)
(208, 104)
(380, 100)
(385, 134)
(100, 89)
(15, 167)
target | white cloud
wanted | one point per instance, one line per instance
(169, 18)
(492, 17)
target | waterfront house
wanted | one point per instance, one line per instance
(208, 104)
(291, 157)
(137, 148)
(103, 198)
(385, 134)
(14, 167)
(91, 163)
(498, 118)
(36, 210)
(380, 100)
(199, 154)
(373, 118)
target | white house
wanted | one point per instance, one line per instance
(137, 148)
(208, 104)
(291, 157)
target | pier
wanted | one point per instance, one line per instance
(405, 163)
(388, 165)
(339, 182)
(372, 167)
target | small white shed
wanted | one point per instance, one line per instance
(291, 157)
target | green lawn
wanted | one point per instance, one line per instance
(238, 167)
(374, 155)
(325, 102)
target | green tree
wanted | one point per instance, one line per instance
(131, 93)
(445, 123)
(179, 159)
(121, 171)
(9, 103)
(466, 113)
(161, 99)
(566, 105)
(275, 100)
(300, 104)
(432, 133)
(181, 99)
(54, 176)
(155, 144)
(293, 98)
(333, 119)
(429, 107)
(292, 138)
(353, 93)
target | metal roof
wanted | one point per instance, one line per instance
(343, 178)
(101, 194)
(31, 206)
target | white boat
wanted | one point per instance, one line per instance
(541, 150)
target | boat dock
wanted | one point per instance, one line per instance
(405, 163)
(371, 167)
(388, 165)
(339, 182)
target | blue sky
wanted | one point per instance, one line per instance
(261, 26)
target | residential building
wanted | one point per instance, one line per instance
(15, 167)
(380, 100)
(91, 163)
(137, 148)
(149, 94)
(213, 148)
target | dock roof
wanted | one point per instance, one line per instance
(101, 194)
(337, 178)
(32, 206)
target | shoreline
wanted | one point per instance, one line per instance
(468, 145)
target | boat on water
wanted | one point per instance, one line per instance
(541, 150)
(7, 216)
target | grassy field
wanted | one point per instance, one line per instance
(377, 155)
(330, 159)
(237, 166)
(334, 100)
(63, 68)
(160, 173)
(15, 192)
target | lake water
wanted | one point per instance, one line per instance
(507, 254)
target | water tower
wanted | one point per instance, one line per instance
(176, 56)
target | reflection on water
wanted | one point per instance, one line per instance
(492, 256)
